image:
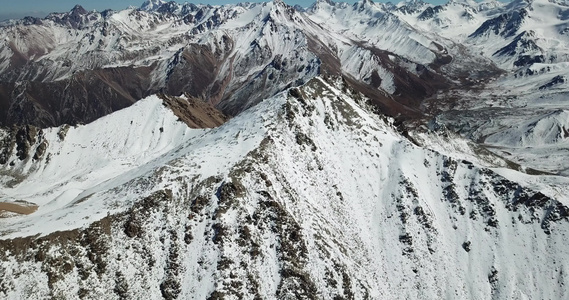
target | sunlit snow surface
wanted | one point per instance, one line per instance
(79, 179)
(366, 199)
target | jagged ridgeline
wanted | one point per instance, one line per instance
(264, 151)
(75, 67)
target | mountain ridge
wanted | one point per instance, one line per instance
(299, 237)
(204, 22)
(259, 150)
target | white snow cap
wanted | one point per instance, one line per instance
(151, 5)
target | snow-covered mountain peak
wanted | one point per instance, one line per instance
(489, 5)
(279, 3)
(329, 2)
(324, 5)
(282, 8)
(172, 7)
(363, 5)
(78, 10)
(412, 6)
(152, 5)
(467, 3)
(319, 4)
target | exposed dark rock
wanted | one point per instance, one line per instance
(557, 80)
(430, 12)
(493, 277)
(195, 112)
(505, 25)
(406, 239)
(466, 246)
(25, 138)
(303, 139)
(40, 150)
(527, 60)
(121, 286)
(524, 42)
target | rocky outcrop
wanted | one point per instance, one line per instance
(505, 25)
(195, 112)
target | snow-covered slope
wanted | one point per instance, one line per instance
(455, 19)
(549, 129)
(524, 33)
(306, 195)
(76, 163)
(540, 142)
(341, 174)
(526, 40)
(373, 24)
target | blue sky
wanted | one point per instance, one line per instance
(40, 8)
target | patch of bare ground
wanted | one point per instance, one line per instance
(8, 209)
(194, 112)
